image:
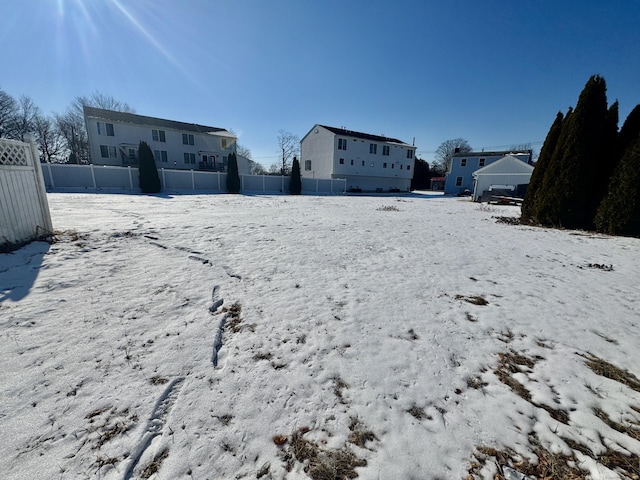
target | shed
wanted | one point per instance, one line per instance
(507, 176)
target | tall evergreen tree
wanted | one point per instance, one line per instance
(569, 193)
(629, 131)
(540, 169)
(233, 176)
(619, 213)
(295, 184)
(148, 178)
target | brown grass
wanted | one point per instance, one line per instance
(321, 464)
(608, 370)
(474, 299)
(155, 464)
(511, 363)
(550, 466)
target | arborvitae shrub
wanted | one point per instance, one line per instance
(619, 212)
(233, 177)
(569, 196)
(540, 169)
(147, 171)
(295, 185)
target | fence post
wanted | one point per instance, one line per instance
(218, 175)
(93, 176)
(39, 178)
(164, 182)
(53, 183)
(193, 182)
(130, 178)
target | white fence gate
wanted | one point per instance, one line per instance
(24, 210)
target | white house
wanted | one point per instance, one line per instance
(369, 163)
(114, 138)
(508, 175)
(460, 175)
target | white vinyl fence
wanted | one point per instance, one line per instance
(24, 210)
(97, 177)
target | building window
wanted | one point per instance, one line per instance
(158, 135)
(307, 165)
(373, 148)
(463, 162)
(342, 161)
(342, 144)
(352, 161)
(408, 167)
(363, 163)
(107, 151)
(481, 162)
(187, 139)
(224, 143)
(189, 158)
(160, 156)
(409, 153)
(105, 129)
(458, 181)
(400, 166)
(384, 165)
(385, 150)
(132, 154)
(393, 165)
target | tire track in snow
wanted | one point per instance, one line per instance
(156, 422)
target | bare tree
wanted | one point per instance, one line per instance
(72, 127)
(256, 168)
(50, 140)
(243, 151)
(445, 152)
(8, 112)
(25, 118)
(99, 100)
(289, 147)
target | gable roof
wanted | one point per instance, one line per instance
(491, 154)
(363, 136)
(150, 121)
(507, 164)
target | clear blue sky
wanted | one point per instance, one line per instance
(494, 72)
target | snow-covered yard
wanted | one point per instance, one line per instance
(405, 337)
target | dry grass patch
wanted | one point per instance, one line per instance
(155, 464)
(474, 299)
(608, 370)
(511, 363)
(234, 320)
(320, 463)
(549, 466)
(630, 427)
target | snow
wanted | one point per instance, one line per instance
(116, 350)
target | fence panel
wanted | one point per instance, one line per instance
(98, 176)
(24, 210)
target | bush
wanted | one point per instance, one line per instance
(295, 186)
(148, 178)
(233, 177)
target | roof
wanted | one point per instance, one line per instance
(491, 154)
(364, 136)
(507, 164)
(149, 121)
